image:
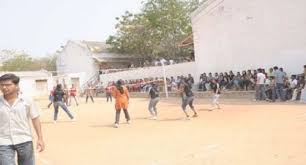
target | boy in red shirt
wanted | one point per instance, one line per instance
(73, 93)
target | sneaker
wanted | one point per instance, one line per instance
(54, 122)
(128, 122)
(116, 125)
(195, 115)
(153, 118)
(187, 118)
(212, 108)
(73, 120)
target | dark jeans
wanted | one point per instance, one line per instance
(261, 92)
(75, 99)
(109, 97)
(280, 91)
(126, 113)
(61, 104)
(271, 93)
(25, 154)
(246, 84)
(187, 101)
(152, 106)
(90, 98)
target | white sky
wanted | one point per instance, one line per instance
(39, 27)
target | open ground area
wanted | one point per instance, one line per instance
(242, 133)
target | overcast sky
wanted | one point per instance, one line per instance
(39, 27)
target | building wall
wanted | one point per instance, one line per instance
(76, 59)
(68, 79)
(140, 73)
(28, 86)
(239, 34)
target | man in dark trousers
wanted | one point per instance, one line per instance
(58, 102)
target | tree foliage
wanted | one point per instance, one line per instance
(23, 62)
(156, 31)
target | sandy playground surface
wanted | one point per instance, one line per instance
(242, 133)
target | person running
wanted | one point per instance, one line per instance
(16, 113)
(58, 102)
(73, 94)
(122, 97)
(108, 92)
(51, 97)
(187, 97)
(154, 99)
(89, 93)
(215, 86)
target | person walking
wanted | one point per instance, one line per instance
(216, 94)
(89, 93)
(16, 113)
(154, 99)
(108, 92)
(121, 95)
(51, 97)
(187, 98)
(73, 94)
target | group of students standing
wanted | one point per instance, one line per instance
(276, 85)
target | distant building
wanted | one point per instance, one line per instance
(34, 83)
(89, 57)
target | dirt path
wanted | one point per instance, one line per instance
(242, 133)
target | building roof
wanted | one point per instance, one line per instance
(100, 51)
(203, 5)
(93, 46)
(108, 57)
(187, 41)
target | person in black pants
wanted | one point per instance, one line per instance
(154, 99)
(187, 98)
(58, 102)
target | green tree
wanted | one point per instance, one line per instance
(156, 31)
(24, 62)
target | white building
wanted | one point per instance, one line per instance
(79, 57)
(34, 83)
(240, 34)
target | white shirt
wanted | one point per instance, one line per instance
(293, 83)
(162, 61)
(261, 78)
(267, 82)
(15, 120)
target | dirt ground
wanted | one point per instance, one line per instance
(242, 133)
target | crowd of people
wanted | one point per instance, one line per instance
(269, 85)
